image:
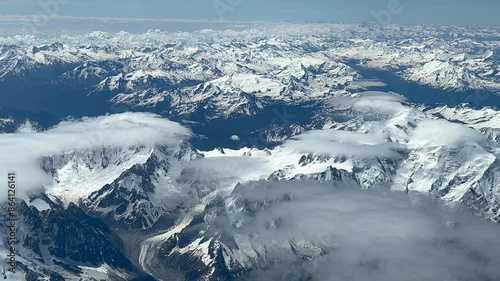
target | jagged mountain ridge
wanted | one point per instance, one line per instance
(213, 71)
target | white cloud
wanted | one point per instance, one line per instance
(445, 133)
(379, 102)
(371, 102)
(366, 235)
(227, 171)
(335, 142)
(369, 83)
(20, 152)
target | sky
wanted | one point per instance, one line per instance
(441, 12)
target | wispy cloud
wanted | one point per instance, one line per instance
(364, 235)
(445, 133)
(21, 152)
(382, 102)
(335, 143)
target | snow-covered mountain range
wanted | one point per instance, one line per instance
(290, 152)
(236, 72)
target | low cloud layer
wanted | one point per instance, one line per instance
(20, 152)
(335, 142)
(442, 132)
(389, 128)
(370, 100)
(374, 101)
(366, 235)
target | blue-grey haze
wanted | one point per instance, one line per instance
(441, 12)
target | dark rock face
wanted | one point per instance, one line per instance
(66, 239)
(126, 202)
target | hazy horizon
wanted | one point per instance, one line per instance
(407, 12)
